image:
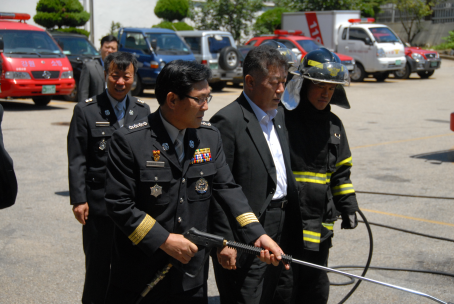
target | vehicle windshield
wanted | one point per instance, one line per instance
(309, 45)
(76, 46)
(29, 43)
(168, 44)
(383, 34)
(217, 45)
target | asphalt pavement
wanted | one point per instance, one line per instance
(399, 134)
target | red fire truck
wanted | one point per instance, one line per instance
(31, 63)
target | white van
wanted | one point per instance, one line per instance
(377, 50)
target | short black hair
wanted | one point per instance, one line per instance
(122, 60)
(109, 38)
(260, 58)
(178, 77)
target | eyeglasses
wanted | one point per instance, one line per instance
(200, 100)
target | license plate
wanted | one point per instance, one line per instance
(48, 89)
(213, 66)
(434, 64)
(398, 62)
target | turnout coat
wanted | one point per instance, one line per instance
(8, 182)
(150, 198)
(321, 161)
(90, 131)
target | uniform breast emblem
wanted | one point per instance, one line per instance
(156, 155)
(191, 144)
(102, 145)
(165, 146)
(131, 112)
(201, 186)
(107, 112)
(156, 190)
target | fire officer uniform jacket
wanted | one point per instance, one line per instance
(149, 194)
(321, 162)
(91, 128)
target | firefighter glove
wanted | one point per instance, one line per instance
(349, 221)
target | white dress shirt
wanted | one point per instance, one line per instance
(266, 123)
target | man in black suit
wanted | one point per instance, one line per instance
(162, 172)
(91, 128)
(8, 182)
(256, 148)
(92, 80)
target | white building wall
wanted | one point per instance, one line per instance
(131, 13)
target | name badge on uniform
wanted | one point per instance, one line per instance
(151, 163)
(102, 123)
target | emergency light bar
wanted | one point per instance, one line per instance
(16, 16)
(291, 32)
(362, 20)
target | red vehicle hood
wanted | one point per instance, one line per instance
(415, 49)
(344, 57)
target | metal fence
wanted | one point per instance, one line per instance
(442, 13)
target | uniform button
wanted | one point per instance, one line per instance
(181, 200)
(201, 173)
(183, 180)
(103, 133)
(179, 219)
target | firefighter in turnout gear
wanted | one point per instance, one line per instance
(321, 161)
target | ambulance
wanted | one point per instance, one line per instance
(377, 50)
(32, 64)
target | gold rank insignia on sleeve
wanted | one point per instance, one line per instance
(246, 218)
(141, 231)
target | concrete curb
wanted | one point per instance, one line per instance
(446, 57)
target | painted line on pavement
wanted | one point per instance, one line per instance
(408, 217)
(401, 141)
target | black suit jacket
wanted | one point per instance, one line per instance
(8, 182)
(92, 126)
(249, 157)
(92, 81)
(144, 221)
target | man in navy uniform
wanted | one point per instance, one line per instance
(91, 128)
(162, 172)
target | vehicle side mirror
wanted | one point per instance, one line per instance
(367, 41)
(154, 44)
(1, 44)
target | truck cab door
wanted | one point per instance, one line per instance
(359, 45)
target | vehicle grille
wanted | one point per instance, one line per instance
(39, 74)
(431, 56)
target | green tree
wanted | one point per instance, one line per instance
(170, 10)
(234, 16)
(51, 13)
(174, 26)
(269, 21)
(448, 44)
(412, 13)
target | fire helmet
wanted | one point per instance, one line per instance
(318, 66)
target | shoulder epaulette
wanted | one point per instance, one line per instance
(138, 125)
(206, 124)
(140, 101)
(89, 100)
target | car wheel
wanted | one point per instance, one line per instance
(73, 95)
(425, 74)
(381, 76)
(229, 58)
(359, 73)
(404, 73)
(136, 88)
(41, 101)
(218, 86)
